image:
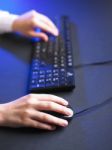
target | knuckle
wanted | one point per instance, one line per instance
(50, 105)
(38, 125)
(33, 13)
(25, 113)
(32, 21)
(30, 96)
(24, 117)
(29, 102)
(34, 124)
(45, 117)
(51, 97)
(55, 121)
(33, 16)
(30, 99)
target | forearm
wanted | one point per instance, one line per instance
(6, 21)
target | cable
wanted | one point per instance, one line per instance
(92, 108)
(109, 62)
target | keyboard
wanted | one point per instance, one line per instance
(52, 62)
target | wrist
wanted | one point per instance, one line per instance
(1, 114)
(12, 24)
(15, 25)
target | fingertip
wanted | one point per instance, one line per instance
(43, 36)
(56, 32)
(64, 123)
(45, 39)
(66, 102)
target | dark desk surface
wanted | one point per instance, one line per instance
(92, 43)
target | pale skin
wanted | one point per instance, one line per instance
(27, 22)
(27, 111)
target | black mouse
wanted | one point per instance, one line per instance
(59, 115)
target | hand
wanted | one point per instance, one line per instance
(28, 22)
(27, 112)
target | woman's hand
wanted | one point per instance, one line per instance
(28, 22)
(27, 112)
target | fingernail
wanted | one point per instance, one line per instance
(56, 32)
(46, 39)
(65, 102)
(69, 112)
(65, 123)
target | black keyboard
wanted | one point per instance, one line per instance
(52, 62)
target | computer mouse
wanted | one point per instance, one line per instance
(59, 115)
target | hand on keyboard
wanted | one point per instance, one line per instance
(27, 22)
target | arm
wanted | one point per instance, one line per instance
(6, 21)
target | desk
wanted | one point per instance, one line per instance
(92, 43)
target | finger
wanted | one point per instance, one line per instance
(49, 119)
(39, 125)
(48, 21)
(42, 25)
(51, 106)
(50, 97)
(38, 34)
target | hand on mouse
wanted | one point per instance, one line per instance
(27, 22)
(27, 112)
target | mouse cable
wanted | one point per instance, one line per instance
(93, 108)
(98, 105)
